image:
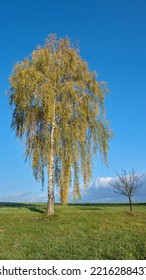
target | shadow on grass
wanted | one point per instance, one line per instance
(32, 207)
(41, 207)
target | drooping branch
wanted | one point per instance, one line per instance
(59, 112)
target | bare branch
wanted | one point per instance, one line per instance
(127, 184)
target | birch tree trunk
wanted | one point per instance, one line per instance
(50, 206)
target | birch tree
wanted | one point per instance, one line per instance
(58, 109)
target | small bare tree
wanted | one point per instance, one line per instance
(127, 184)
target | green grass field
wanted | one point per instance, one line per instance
(80, 232)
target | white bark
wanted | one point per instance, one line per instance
(50, 206)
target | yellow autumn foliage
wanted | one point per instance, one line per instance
(58, 108)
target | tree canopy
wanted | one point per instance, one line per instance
(58, 108)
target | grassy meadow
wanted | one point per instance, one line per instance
(94, 231)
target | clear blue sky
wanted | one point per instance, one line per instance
(112, 38)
